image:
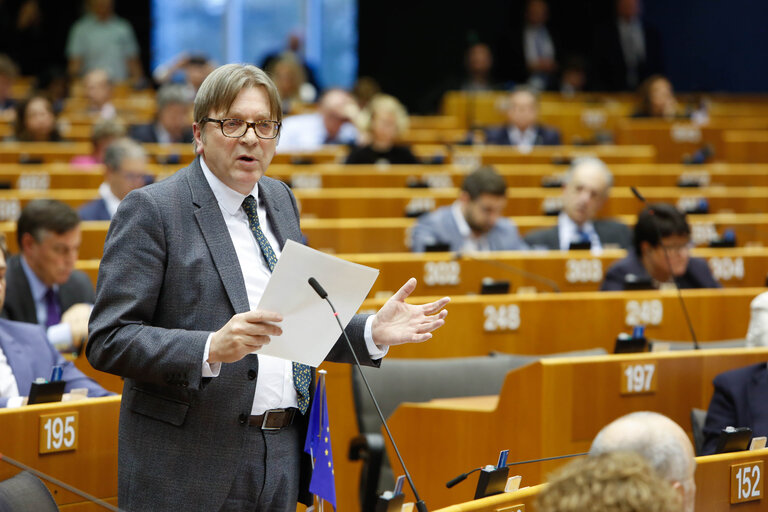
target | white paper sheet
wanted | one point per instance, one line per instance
(309, 328)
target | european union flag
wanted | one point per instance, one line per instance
(318, 445)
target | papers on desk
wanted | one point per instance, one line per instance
(309, 328)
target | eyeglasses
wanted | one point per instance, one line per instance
(236, 128)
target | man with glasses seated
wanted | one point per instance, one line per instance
(125, 163)
(662, 252)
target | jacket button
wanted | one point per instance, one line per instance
(243, 419)
(251, 374)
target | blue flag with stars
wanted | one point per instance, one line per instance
(318, 445)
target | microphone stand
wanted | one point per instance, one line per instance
(669, 265)
(420, 506)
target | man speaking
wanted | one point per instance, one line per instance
(204, 424)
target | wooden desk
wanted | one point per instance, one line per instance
(746, 146)
(551, 407)
(397, 202)
(472, 156)
(449, 274)
(92, 467)
(713, 488)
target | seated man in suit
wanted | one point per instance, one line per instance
(125, 164)
(661, 442)
(25, 355)
(655, 261)
(474, 222)
(585, 190)
(523, 129)
(174, 112)
(43, 286)
(740, 400)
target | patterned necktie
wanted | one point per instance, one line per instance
(302, 375)
(53, 310)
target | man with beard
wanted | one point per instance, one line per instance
(474, 222)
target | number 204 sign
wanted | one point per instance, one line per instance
(58, 432)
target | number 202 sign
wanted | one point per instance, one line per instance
(58, 432)
(747, 482)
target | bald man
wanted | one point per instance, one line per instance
(661, 442)
(587, 185)
(331, 124)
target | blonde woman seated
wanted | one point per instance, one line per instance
(382, 122)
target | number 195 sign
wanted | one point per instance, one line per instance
(58, 432)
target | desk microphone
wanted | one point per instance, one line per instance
(56, 481)
(464, 476)
(509, 268)
(420, 506)
(669, 265)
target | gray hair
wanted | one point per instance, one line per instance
(652, 435)
(171, 95)
(220, 89)
(585, 161)
(121, 149)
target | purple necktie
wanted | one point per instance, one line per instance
(52, 308)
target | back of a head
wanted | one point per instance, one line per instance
(609, 482)
(657, 438)
(41, 215)
(659, 219)
(484, 180)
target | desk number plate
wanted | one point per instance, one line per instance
(747, 482)
(58, 432)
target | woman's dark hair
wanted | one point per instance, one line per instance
(656, 220)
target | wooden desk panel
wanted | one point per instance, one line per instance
(712, 487)
(395, 202)
(92, 467)
(551, 407)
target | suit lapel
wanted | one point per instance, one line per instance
(21, 288)
(13, 351)
(758, 406)
(216, 235)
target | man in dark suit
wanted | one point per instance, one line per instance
(586, 188)
(172, 123)
(627, 50)
(125, 164)
(662, 243)
(740, 400)
(25, 355)
(43, 286)
(523, 129)
(205, 424)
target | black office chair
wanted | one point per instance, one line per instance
(25, 493)
(698, 419)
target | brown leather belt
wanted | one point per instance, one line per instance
(273, 419)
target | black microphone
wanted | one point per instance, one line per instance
(509, 268)
(55, 481)
(669, 264)
(420, 506)
(464, 476)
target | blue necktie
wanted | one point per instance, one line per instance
(302, 375)
(52, 308)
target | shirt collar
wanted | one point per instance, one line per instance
(229, 199)
(461, 221)
(110, 200)
(36, 286)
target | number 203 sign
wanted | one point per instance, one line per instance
(58, 432)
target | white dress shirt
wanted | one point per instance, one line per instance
(524, 140)
(8, 387)
(306, 132)
(568, 231)
(111, 201)
(274, 385)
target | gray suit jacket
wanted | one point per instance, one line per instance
(19, 304)
(439, 227)
(609, 232)
(168, 278)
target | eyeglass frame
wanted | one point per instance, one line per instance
(247, 126)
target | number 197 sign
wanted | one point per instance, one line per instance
(58, 432)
